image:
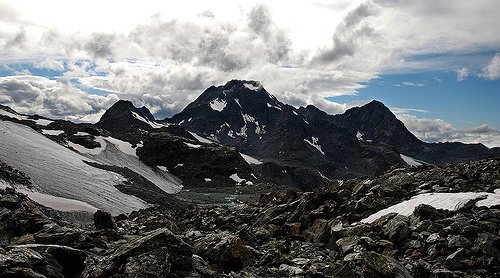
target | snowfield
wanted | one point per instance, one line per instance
(120, 153)
(410, 160)
(446, 201)
(69, 177)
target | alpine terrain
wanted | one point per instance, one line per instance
(239, 184)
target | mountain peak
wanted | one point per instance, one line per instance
(124, 116)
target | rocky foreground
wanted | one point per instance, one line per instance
(288, 234)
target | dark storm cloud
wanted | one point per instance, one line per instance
(100, 45)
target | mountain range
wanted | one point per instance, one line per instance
(240, 134)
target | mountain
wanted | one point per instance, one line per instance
(296, 150)
(123, 116)
(374, 122)
(306, 147)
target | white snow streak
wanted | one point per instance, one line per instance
(236, 178)
(315, 144)
(192, 145)
(52, 132)
(250, 160)
(201, 139)
(410, 160)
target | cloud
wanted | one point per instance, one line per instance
(18, 40)
(351, 31)
(49, 64)
(492, 70)
(462, 74)
(438, 130)
(52, 98)
(100, 45)
(397, 110)
(410, 84)
(207, 14)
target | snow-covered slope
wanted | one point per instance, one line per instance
(118, 153)
(58, 171)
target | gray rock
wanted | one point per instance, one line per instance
(384, 265)
(202, 267)
(397, 229)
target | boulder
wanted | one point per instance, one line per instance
(225, 250)
(384, 266)
(397, 229)
(103, 220)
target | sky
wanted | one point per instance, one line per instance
(434, 63)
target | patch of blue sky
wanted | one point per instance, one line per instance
(28, 68)
(464, 104)
(88, 90)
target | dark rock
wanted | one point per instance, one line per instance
(383, 265)
(428, 212)
(397, 229)
(103, 220)
(202, 267)
(225, 250)
(454, 260)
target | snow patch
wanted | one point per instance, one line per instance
(201, 139)
(273, 106)
(12, 115)
(238, 102)
(252, 86)
(43, 122)
(4, 184)
(192, 145)
(123, 146)
(446, 201)
(410, 161)
(218, 104)
(359, 135)
(150, 123)
(315, 143)
(58, 203)
(163, 168)
(79, 133)
(83, 150)
(250, 160)
(236, 178)
(52, 132)
(208, 179)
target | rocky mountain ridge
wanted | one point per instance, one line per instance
(307, 142)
